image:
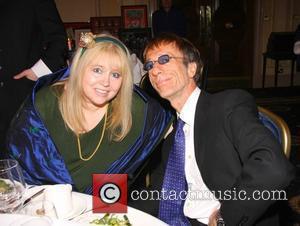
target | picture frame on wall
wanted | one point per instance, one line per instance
(134, 16)
(135, 39)
(78, 34)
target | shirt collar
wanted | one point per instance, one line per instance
(187, 113)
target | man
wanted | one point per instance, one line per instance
(32, 43)
(169, 19)
(229, 156)
(297, 46)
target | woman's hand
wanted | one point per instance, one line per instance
(28, 73)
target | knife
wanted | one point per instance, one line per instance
(33, 196)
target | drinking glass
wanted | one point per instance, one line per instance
(12, 186)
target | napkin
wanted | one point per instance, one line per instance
(61, 197)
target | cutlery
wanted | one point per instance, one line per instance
(83, 213)
(33, 196)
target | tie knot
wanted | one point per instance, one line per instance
(179, 124)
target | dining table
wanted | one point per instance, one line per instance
(81, 214)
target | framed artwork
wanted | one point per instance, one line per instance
(72, 29)
(77, 25)
(135, 39)
(134, 16)
(108, 24)
(77, 34)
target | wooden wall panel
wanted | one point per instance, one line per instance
(295, 13)
(277, 16)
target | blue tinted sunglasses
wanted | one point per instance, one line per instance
(163, 59)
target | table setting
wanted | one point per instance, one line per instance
(53, 205)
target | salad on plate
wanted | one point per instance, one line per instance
(111, 220)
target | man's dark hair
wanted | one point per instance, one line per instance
(190, 53)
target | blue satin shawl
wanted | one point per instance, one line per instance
(30, 143)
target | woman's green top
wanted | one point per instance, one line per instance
(65, 140)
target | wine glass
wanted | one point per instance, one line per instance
(12, 186)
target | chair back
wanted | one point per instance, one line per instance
(282, 42)
(278, 127)
(202, 81)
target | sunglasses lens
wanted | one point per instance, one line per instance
(148, 65)
(163, 59)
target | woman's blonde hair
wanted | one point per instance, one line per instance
(71, 100)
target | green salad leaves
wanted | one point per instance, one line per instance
(5, 187)
(111, 220)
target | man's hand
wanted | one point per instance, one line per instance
(28, 73)
(213, 218)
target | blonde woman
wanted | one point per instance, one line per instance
(89, 119)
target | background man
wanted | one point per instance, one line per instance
(168, 19)
(32, 44)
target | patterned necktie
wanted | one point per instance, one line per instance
(170, 209)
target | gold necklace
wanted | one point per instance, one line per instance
(98, 145)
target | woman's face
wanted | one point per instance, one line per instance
(102, 80)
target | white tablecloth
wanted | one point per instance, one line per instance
(82, 208)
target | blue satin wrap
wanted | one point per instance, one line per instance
(30, 143)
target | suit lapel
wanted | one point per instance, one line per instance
(200, 118)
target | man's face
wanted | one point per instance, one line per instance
(172, 80)
(166, 4)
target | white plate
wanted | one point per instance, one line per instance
(136, 218)
(24, 220)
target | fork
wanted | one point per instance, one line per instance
(84, 212)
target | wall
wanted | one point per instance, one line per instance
(77, 10)
(277, 16)
(82, 10)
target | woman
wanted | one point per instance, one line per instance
(87, 120)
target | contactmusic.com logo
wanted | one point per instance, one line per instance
(110, 193)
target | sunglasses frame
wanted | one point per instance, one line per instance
(161, 60)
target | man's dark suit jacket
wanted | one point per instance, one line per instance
(234, 152)
(30, 30)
